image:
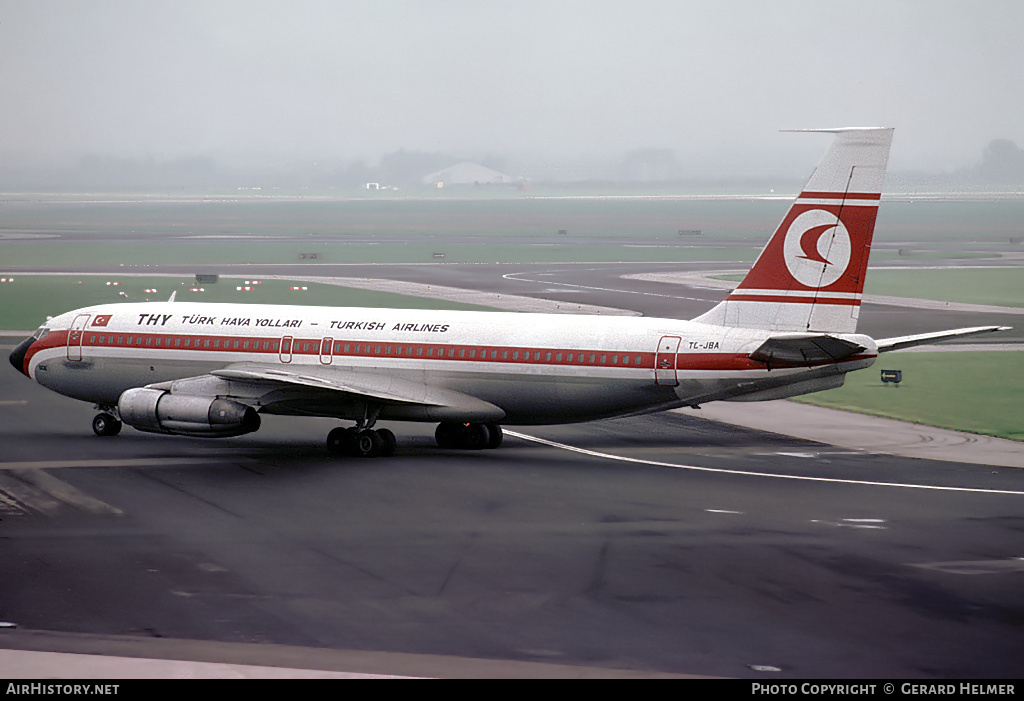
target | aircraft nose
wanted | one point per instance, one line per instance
(18, 356)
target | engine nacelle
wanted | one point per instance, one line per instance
(159, 411)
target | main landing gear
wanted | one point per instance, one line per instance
(361, 442)
(469, 436)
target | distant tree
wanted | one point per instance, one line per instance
(1002, 162)
(408, 167)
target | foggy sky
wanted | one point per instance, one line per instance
(258, 83)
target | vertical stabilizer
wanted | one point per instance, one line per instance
(810, 276)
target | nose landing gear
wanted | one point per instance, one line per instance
(106, 424)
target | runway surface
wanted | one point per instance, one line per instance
(661, 545)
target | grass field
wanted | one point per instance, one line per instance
(998, 286)
(25, 254)
(979, 392)
(30, 299)
(412, 230)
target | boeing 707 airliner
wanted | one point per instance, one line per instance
(197, 369)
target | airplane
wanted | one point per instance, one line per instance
(212, 370)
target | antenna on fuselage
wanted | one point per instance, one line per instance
(172, 296)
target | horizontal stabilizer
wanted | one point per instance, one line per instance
(801, 350)
(891, 344)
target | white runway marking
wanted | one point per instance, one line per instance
(747, 473)
(515, 276)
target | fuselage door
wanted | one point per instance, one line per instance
(326, 347)
(665, 361)
(286, 349)
(75, 335)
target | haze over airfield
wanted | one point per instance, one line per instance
(539, 85)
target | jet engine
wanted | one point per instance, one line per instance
(159, 411)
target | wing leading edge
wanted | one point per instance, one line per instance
(897, 342)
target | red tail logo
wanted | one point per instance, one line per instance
(816, 248)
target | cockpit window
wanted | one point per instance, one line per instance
(41, 332)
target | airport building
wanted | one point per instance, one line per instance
(468, 173)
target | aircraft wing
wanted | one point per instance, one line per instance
(800, 350)
(360, 385)
(898, 342)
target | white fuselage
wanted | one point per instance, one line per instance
(537, 368)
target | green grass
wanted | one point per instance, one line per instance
(978, 392)
(30, 299)
(999, 286)
(34, 254)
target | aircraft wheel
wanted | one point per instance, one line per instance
(475, 437)
(447, 434)
(388, 442)
(105, 425)
(496, 435)
(367, 444)
(339, 441)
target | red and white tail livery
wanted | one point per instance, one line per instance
(213, 370)
(810, 276)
